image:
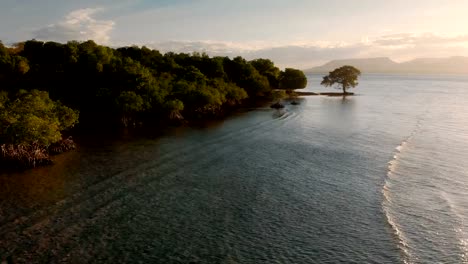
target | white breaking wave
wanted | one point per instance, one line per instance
(386, 204)
(387, 201)
(402, 242)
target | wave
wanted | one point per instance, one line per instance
(387, 195)
(402, 241)
(386, 207)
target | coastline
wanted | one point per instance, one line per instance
(326, 94)
(24, 157)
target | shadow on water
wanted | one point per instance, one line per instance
(34, 188)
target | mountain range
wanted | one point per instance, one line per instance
(450, 65)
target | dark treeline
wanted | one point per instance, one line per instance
(44, 86)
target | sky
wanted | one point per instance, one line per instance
(293, 33)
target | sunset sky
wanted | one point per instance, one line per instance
(299, 33)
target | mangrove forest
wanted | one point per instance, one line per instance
(47, 88)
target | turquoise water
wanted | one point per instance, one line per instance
(380, 177)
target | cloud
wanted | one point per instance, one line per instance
(400, 47)
(422, 39)
(296, 54)
(78, 25)
(211, 47)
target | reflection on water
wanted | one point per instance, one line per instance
(41, 185)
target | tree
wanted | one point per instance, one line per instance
(244, 75)
(268, 69)
(32, 117)
(12, 67)
(292, 79)
(174, 107)
(129, 103)
(345, 76)
(133, 83)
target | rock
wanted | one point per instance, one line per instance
(277, 105)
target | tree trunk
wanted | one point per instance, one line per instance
(125, 120)
(344, 90)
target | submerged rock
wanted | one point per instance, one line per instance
(277, 105)
(295, 103)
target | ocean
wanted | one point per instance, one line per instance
(379, 177)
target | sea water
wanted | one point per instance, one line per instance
(379, 177)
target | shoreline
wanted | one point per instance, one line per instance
(23, 157)
(326, 94)
(18, 158)
(29, 158)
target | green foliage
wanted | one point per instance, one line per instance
(244, 75)
(278, 95)
(3, 100)
(33, 118)
(268, 69)
(11, 65)
(67, 117)
(232, 94)
(130, 102)
(130, 83)
(4, 115)
(292, 79)
(174, 105)
(345, 76)
(20, 65)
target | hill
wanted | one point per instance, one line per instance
(450, 65)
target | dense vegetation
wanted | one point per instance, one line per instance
(292, 79)
(345, 77)
(41, 82)
(30, 127)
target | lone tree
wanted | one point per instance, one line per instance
(292, 79)
(345, 76)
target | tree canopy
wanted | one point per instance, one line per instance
(32, 117)
(125, 85)
(131, 82)
(346, 77)
(41, 83)
(292, 79)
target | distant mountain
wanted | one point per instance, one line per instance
(451, 65)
